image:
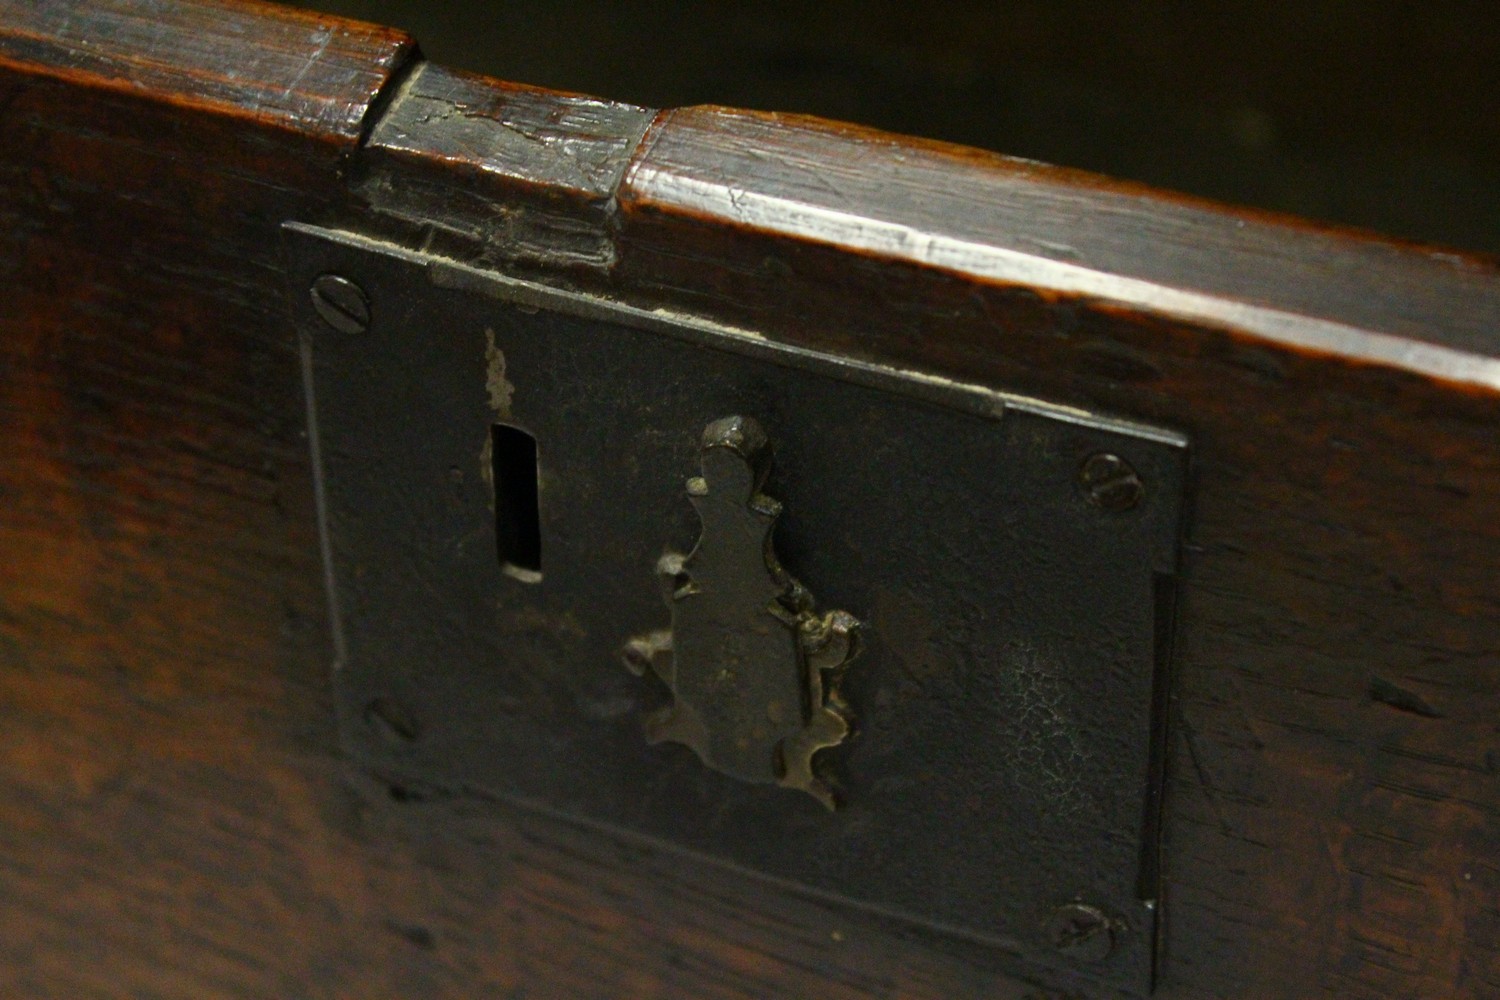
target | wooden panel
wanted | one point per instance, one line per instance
(168, 786)
(174, 818)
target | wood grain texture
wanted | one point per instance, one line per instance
(1001, 220)
(1371, 112)
(314, 75)
(175, 820)
(501, 172)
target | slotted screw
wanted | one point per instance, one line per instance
(1081, 931)
(1110, 483)
(342, 304)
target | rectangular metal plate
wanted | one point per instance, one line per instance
(1007, 701)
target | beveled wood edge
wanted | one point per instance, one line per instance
(757, 177)
(569, 180)
(315, 74)
(995, 220)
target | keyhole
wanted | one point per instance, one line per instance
(518, 529)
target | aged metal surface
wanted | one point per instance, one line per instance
(1005, 760)
(752, 667)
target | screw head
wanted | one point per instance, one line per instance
(342, 304)
(1081, 932)
(637, 656)
(1110, 483)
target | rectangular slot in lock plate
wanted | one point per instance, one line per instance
(895, 641)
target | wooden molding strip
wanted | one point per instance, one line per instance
(502, 174)
(312, 73)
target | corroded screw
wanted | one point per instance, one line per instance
(1081, 931)
(341, 303)
(1110, 483)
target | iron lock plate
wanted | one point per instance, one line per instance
(1009, 564)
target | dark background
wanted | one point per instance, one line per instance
(1368, 112)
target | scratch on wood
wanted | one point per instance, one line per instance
(1190, 739)
(1401, 699)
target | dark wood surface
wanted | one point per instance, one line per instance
(1374, 113)
(1001, 220)
(175, 820)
